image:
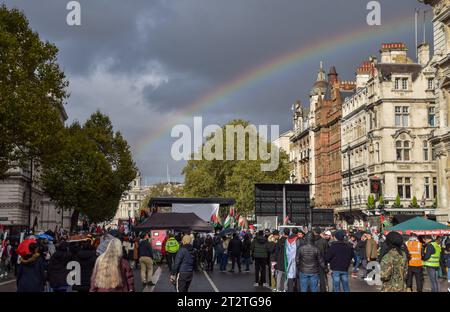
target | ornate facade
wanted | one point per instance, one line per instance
(441, 137)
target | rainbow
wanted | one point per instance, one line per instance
(274, 66)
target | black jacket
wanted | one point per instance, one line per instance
(184, 260)
(322, 244)
(145, 249)
(235, 247)
(260, 248)
(309, 259)
(339, 255)
(31, 274)
(86, 259)
(280, 253)
(246, 247)
(57, 269)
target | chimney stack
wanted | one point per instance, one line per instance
(423, 54)
(394, 53)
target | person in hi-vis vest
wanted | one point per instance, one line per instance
(172, 247)
(431, 261)
(415, 264)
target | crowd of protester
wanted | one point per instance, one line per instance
(290, 260)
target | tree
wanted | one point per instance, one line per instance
(414, 203)
(397, 203)
(370, 202)
(91, 171)
(162, 190)
(32, 92)
(380, 202)
(232, 178)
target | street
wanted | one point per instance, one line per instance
(217, 281)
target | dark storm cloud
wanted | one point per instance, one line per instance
(141, 61)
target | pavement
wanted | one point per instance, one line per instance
(217, 281)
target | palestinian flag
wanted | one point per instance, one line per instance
(215, 220)
(230, 220)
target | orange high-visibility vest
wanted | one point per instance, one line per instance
(415, 251)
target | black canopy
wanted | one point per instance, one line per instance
(182, 222)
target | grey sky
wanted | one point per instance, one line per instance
(141, 61)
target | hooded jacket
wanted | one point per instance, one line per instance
(57, 269)
(309, 259)
(86, 258)
(184, 260)
(31, 274)
(235, 247)
(260, 248)
(339, 255)
(280, 254)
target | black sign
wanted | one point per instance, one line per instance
(269, 202)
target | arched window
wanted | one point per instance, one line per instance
(403, 150)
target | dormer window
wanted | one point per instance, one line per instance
(404, 83)
(401, 84)
(430, 84)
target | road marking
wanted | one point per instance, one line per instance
(211, 282)
(7, 282)
(156, 277)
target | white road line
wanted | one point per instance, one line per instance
(155, 279)
(211, 282)
(7, 282)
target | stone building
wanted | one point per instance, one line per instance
(131, 200)
(441, 137)
(400, 118)
(16, 214)
(300, 156)
(355, 151)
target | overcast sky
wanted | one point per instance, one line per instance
(144, 61)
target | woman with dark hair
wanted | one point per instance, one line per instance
(394, 264)
(31, 271)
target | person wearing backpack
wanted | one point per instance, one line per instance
(172, 246)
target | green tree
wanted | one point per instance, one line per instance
(91, 171)
(414, 203)
(397, 202)
(232, 178)
(32, 93)
(370, 202)
(381, 201)
(162, 190)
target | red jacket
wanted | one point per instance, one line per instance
(127, 280)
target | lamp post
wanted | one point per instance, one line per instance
(349, 180)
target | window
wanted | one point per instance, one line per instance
(401, 116)
(427, 188)
(430, 84)
(403, 150)
(405, 83)
(404, 187)
(397, 84)
(431, 116)
(425, 151)
(433, 153)
(434, 187)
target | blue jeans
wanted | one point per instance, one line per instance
(338, 278)
(246, 261)
(357, 263)
(223, 262)
(309, 279)
(433, 275)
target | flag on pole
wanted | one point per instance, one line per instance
(286, 220)
(227, 222)
(215, 220)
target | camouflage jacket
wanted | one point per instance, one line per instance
(393, 271)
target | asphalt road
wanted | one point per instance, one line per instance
(217, 281)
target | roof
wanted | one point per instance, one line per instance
(161, 201)
(399, 68)
(420, 226)
(182, 222)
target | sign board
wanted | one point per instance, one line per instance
(3, 218)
